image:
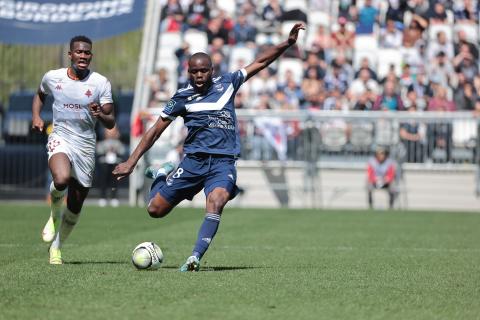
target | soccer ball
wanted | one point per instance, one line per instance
(147, 255)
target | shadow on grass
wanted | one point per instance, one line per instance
(96, 262)
(217, 268)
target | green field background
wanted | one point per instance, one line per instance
(263, 264)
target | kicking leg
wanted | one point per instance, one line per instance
(158, 206)
(216, 201)
(60, 167)
(76, 196)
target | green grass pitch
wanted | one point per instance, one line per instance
(263, 264)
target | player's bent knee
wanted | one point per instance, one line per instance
(61, 182)
(157, 212)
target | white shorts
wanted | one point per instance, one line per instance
(82, 158)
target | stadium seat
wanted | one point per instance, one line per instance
(386, 58)
(197, 40)
(470, 30)
(334, 136)
(361, 136)
(228, 6)
(170, 40)
(20, 101)
(318, 18)
(365, 42)
(289, 5)
(240, 57)
(294, 65)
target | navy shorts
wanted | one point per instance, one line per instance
(197, 172)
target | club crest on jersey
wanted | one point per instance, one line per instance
(88, 93)
(219, 87)
(58, 87)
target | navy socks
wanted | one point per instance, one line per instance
(206, 233)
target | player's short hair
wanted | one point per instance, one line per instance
(202, 55)
(79, 39)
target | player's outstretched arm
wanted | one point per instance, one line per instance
(37, 104)
(270, 55)
(125, 168)
(103, 113)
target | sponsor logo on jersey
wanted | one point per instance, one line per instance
(219, 87)
(58, 87)
(88, 93)
(73, 106)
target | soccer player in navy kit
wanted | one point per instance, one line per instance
(211, 147)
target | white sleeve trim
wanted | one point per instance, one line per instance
(244, 72)
(166, 116)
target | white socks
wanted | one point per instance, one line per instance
(69, 220)
(56, 200)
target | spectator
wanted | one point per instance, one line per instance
(313, 62)
(465, 11)
(216, 29)
(438, 15)
(365, 64)
(361, 85)
(110, 151)
(342, 39)
(364, 102)
(464, 63)
(311, 85)
(265, 83)
(465, 94)
(336, 78)
(161, 87)
(462, 40)
(272, 13)
(381, 175)
(418, 8)
(198, 14)
(396, 10)
(412, 132)
(440, 134)
(389, 99)
(440, 45)
(172, 16)
(367, 17)
(345, 9)
(413, 34)
(244, 33)
(390, 36)
(219, 64)
(440, 102)
(182, 54)
(322, 43)
(441, 70)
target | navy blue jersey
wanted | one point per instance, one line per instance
(209, 118)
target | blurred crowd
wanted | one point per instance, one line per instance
(369, 55)
(433, 63)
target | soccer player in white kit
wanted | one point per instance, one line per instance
(81, 97)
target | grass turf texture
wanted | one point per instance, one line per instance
(263, 264)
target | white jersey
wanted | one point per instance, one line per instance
(71, 115)
(73, 124)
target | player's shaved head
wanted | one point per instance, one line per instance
(201, 57)
(200, 71)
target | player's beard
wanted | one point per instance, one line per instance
(81, 73)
